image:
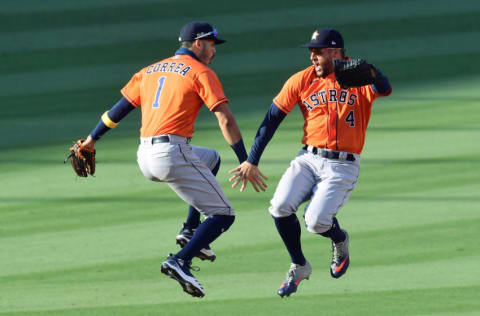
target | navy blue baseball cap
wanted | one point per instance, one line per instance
(326, 37)
(199, 30)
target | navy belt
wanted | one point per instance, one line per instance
(329, 154)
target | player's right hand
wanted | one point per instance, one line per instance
(247, 172)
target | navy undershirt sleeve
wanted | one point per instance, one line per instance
(265, 133)
(120, 110)
(116, 113)
(382, 86)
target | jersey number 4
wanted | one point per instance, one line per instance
(161, 82)
(350, 119)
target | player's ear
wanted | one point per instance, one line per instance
(198, 44)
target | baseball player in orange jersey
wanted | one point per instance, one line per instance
(170, 94)
(326, 169)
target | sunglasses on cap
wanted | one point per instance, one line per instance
(214, 33)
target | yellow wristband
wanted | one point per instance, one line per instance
(107, 121)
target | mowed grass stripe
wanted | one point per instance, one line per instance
(234, 23)
(58, 80)
(401, 246)
(458, 301)
(429, 176)
(284, 41)
(59, 15)
(49, 251)
(71, 103)
(435, 301)
(24, 7)
(77, 213)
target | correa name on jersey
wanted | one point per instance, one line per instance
(179, 68)
(332, 96)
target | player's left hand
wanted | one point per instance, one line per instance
(247, 172)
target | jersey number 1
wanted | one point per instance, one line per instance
(161, 81)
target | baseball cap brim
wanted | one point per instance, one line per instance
(217, 40)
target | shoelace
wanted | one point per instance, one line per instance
(188, 265)
(337, 251)
(291, 274)
(194, 268)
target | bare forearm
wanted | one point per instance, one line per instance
(230, 131)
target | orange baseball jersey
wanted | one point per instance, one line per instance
(335, 118)
(171, 93)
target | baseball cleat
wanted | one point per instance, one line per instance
(184, 237)
(340, 258)
(295, 275)
(179, 270)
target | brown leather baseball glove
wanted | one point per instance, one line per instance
(82, 158)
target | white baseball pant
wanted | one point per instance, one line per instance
(187, 170)
(325, 183)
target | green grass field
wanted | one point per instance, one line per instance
(71, 246)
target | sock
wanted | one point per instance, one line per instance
(290, 231)
(335, 233)
(207, 232)
(193, 217)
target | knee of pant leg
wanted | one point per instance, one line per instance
(281, 210)
(315, 226)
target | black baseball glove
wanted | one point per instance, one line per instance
(353, 73)
(82, 158)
